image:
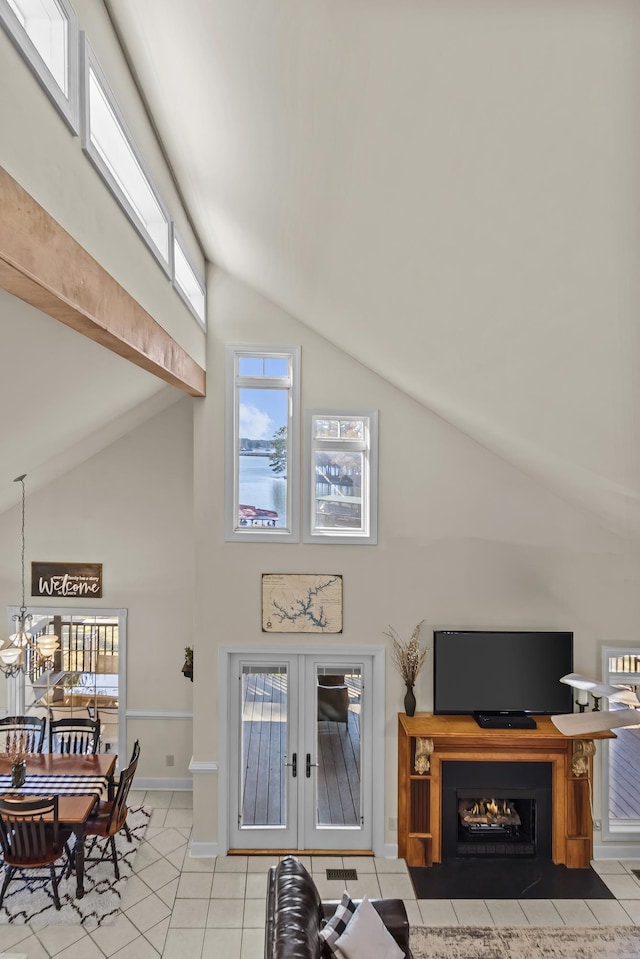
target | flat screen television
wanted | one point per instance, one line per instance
(501, 674)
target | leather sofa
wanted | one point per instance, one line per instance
(295, 914)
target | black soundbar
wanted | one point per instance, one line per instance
(505, 720)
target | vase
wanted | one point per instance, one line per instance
(18, 774)
(409, 700)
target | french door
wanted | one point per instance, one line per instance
(300, 752)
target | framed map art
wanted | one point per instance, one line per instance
(301, 603)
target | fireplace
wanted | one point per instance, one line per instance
(496, 809)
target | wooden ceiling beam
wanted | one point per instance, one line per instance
(43, 265)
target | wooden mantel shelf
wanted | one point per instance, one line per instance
(459, 738)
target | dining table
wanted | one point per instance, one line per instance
(78, 782)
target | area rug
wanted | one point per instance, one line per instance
(33, 903)
(528, 942)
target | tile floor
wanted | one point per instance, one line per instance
(182, 908)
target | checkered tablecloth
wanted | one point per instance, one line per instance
(56, 785)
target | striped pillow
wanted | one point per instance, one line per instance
(334, 927)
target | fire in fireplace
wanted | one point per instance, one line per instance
(496, 809)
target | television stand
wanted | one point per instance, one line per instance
(505, 720)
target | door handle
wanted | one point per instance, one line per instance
(294, 765)
(309, 765)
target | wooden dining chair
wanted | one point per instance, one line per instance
(110, 816)
(29, 843)
(78, 737)
(23, 734)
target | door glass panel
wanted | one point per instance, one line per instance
(81, 680)
(338, 779)
(263, 771)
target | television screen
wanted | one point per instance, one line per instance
(477, 671)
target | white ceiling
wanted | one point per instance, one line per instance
(446, 189)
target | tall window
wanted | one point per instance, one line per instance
(187, 282)
(341, 477)
(111, 148)
(262, 443)
(621, 807)
(45, 32)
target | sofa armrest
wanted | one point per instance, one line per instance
(271, 914)
(393, 914)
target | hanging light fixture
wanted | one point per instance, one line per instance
(21, 645)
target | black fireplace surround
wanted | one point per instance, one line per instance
(527, 787)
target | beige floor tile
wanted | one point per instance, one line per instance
(396, 886)
(82, 949)
(472, 912)
(225, 914)
(220, 943)
(183, 944)
(575, 912)
(231, 864)
(57, 938)
(413, 912)
(158, 874)
(622, 887)
(114, 937)
(256, 887)
(166, 840)
(177, 857)
(179, 817)
(148, 912)
(252, 944)
(168, 893)
(157, 934)
(228, 885)
(158, 799)
(541, 912)
(198, 864)
(608, 912)
(437, 912)
(506, 912)
(261, 864)
(139, 949)
(10, 935)
(366, 885)
(609, 867)
(145, 856)
(33, 949)
(254, 914)
(158, 817)
(329, 888)
(195, 885)
(362, 864)
(320, 864)
(134, 891)
(182, 800)
(632, 909)
(189, 914)
(390, 865)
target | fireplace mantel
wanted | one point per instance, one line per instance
(437, 739)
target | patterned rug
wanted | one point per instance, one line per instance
(33, 903)
(528, 942)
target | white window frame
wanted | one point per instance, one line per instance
(194, 293)
(235, 382)
(65, 103)
(615, 831)
(368, 536)
(90, 66)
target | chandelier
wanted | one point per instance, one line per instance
(21, 647)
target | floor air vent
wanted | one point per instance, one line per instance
(342, 874)
(636, 873)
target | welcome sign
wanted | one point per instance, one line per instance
(75, 580)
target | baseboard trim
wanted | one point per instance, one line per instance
(204, 850)
(159, 714)
(200, 767)
(611, 850)
(174, 785)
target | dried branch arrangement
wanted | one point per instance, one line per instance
(408, 656)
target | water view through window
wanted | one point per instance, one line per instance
(262, 460)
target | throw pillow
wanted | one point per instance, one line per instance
(335, 926)
(367, 937)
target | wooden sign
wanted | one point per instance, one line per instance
(75, 580)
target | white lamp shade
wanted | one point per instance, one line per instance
(47, 644)
(10, 655)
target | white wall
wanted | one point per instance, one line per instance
(130, 508)
(465, 540)
(41, 153)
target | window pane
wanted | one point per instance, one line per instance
(338, 783)
(262, 460)
(351, 429)
(326, 429)
(263, 784)
(338, 490)
(111, 143)
(263, 366)
(46, 25)
(187, 280)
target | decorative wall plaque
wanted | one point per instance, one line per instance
(301, 603)
(75, 580)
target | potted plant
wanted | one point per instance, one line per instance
(409, 658)
(187, 668)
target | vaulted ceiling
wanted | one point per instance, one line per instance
(448, 190)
